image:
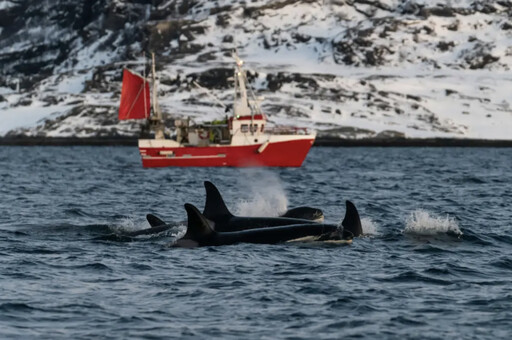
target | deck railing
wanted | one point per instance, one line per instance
(286, 130)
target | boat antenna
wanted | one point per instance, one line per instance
(157, 121)
(156, 107)
(241, 90)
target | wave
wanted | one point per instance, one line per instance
(503, 262)
(95, 266)
(113, 238)
(16, 307)
(412, 276)
(369, 226)
(128, 224)
(123, 230)
(424, 223)
(77, 212)
(30, 229)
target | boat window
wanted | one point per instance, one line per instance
(262, 126)
(244, 128)
(254, 128)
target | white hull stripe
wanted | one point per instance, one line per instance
(185, 157)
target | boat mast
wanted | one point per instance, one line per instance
(156, 120)
(241, 104)
(144, 85)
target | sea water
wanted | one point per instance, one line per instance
(436, 262)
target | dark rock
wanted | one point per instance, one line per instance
(161, 34)
(506, 26)
(266, 44)
(219, 9)
(410, 7)
(505, 3)
(50, 100)
(479, 56)
(387, 29)
(216, 78)
(185, 5)
(227, 39)
(437, 11)
(254, 12)
(483, 7)
(454, 26)
(445, 46)
(289, 111)
(24, 102)
(222, 20)
(481, 61)
(427, 29)
(206, 57)
(273, 83)
(301, 38)
(71, 25)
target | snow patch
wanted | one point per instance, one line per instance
(372, 68)
(4, 4)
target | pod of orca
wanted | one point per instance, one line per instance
(217, 226)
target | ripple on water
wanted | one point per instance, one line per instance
(12, 307)
(411, 276)
(69, 273)
(503, 262)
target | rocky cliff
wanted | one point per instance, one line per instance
(350, 68)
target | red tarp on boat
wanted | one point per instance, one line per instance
(134, 97)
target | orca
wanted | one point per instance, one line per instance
(157, 226)
(154, 221)
(223, 220)
(200, 232)
(305, 213)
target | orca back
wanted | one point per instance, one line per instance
(154, 221)
(198, 227)
(351, 223)
(215, 208)
(306, 213)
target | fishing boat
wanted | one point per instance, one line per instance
(241, 140)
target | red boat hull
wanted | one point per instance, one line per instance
(276, 154)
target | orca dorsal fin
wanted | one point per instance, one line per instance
(351, 223)
(154, 221)
(198, 226)
(215, 206)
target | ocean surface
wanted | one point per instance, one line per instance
(436, 262)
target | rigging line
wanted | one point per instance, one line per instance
(211, 95)
(135, 100)
(258, 108)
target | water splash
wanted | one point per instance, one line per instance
(268, 197)
(369, 226)
(421, 222)
(128, 224)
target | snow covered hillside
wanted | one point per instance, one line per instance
(348, 68)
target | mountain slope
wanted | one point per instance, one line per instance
(348, 68)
